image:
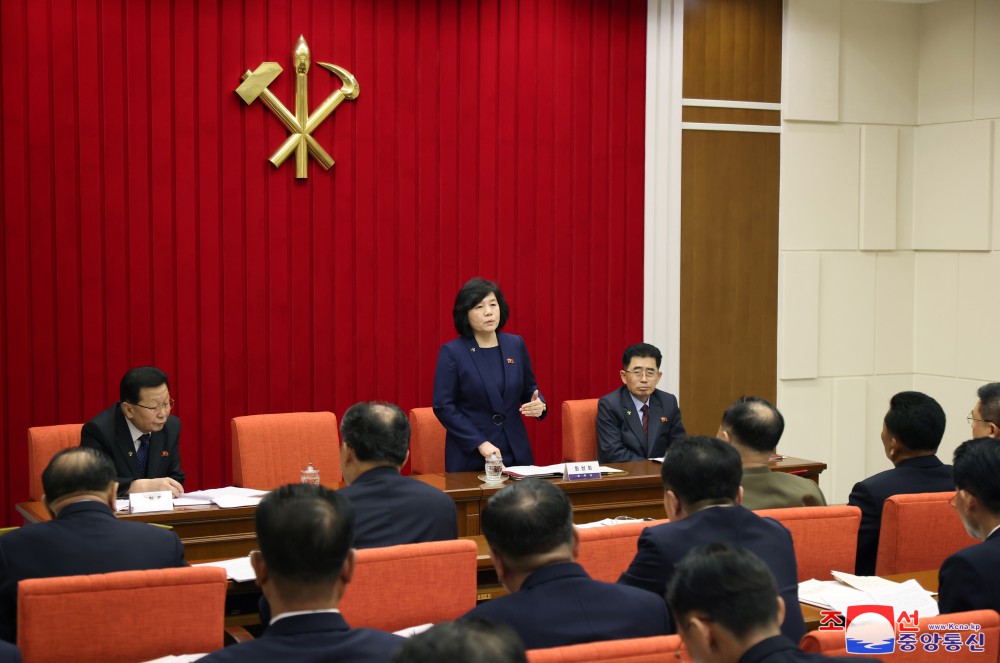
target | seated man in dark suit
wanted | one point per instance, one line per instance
(9, 653)
(468, 641)
(638, 421)
(84, 537)
(968, 579)
(304, 564)
(552, 601)
(390, 509)
(701, 480)
(754, 426)
(985, 415)
(726, 604)
(911, 433)
(140, 435)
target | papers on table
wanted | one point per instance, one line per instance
(850, 590)
(227, 498)
(547, 471)
(237, 569)
(411, 631)
(177, 658)
(609, 522)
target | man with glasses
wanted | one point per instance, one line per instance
(140, 435)
(985, 416)
(638, 421)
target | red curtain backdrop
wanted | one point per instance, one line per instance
(142, 223)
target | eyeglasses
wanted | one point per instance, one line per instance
(165, 406)
(969, 419)
(638, 373)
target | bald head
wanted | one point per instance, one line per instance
(753, 424)
(377, 432)
(78, 471)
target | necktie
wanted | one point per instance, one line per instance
(645, 419)
(143, 454)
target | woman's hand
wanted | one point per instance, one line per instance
(533, 408)
(487, 449)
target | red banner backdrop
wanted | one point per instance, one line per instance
(142, 223)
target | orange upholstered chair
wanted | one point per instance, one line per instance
(426, 442)
(918, 533)
(833, 643)
(825, 537)
(270, 450)
(412, 584)
(579, 429)
(43, 443)
(636, 650)
(605, 552)
(126, 616)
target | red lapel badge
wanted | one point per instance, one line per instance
(663, 420)
(509, 360)
(167, 453)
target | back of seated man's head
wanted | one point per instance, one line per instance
(78, 472)
(916, 421)
(305, 533)
(468, 641)
(702, 471)
(724, 600)
(976, 471)
(986, 413)
(753, 423)
(527, 519)
(376, 432)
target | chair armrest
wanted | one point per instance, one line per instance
(235, 635)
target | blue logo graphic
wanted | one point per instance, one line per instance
(870, 629)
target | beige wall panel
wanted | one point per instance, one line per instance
(878, 62)
(820, 165)
(798, 329)
(880, 389)
(846, 314)
(935, 313)
(850, 407)
(986, 75)
(952, 185)
(996, 183)
(894, 313)
(957, 396)
(904, 189)
(812, 60)
(947, 38)
(879, 159)
(978, 319)
(807, 406)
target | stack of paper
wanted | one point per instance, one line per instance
(227, 498)
(850, 589)
(547, 471)
(237, 569)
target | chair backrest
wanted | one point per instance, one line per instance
(579, 429)
(605, 552)
(125, 616)
(412, 584)
(270, 450)
(833, 643)
(426, 442)
(825, 537)
(634, 650)
(43, 443)
(905, 541)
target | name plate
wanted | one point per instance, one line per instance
(590, 469)
(161, 500)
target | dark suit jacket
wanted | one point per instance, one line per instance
(85, 538)
(968, 580)
(561, 605)
(109, 432)
(390, 509)
(661, 547)
(9, 653)
(319, 637)
(780, 649)
(465, 403)
(916, 475)
(619, 427)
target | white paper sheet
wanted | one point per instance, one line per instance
(557, 470)
(227, 498)
(237, 569)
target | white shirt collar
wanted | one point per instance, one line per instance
(638, 403)
(991, 532)
(136, 433)
(296, 613)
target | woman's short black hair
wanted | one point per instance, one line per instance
(474, 291)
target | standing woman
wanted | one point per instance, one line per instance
(483, 384)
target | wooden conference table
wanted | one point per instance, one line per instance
(209, 533)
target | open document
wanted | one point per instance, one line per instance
(850, 590)
(547, 471)
(237, 569)
(226, 498)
